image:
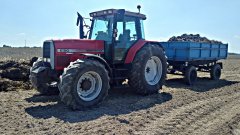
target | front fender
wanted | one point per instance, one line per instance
(48, 72)
(98, 58)
(39, 69)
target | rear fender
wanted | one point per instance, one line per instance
(136, 47)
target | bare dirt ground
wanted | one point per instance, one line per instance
(209, 107)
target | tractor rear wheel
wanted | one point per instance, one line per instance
(84, 83)
(42, 82)
(148, 70)
(215, 72)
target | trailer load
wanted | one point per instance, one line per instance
(193, 38)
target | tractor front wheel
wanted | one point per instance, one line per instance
(149, 70)
(84, 83)
(44, 81)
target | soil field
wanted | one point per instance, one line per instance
(209, 107)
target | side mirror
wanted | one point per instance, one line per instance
(80, 24)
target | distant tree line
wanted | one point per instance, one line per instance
(8, 46)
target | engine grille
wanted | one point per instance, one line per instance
(46, 50)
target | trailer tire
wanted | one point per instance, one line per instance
(139, 79)
(41, 81)
(190, 75)
(81, 78)
(215, 72)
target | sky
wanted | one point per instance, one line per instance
(35, 21)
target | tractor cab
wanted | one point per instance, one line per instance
(119, 29)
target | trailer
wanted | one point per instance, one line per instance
(190, 57)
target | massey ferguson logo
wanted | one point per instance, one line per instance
(63, 50)
(78, 51)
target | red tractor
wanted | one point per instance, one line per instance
(113, 51)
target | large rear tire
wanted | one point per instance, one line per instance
(84, 83)
(148, 71)
(41, 81)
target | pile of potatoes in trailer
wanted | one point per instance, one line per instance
(193, 38)
(14, 75)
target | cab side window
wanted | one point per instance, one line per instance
(127, 36)
(131, 30)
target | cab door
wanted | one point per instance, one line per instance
(127, 34)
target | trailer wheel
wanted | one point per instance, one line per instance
(148, 71)
(41, 81)
(84, 84)
(190, 75)
(215, 72)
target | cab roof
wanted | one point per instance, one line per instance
(114, 11)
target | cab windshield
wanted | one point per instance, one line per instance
(102, 28)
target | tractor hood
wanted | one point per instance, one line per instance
(61, 52)
(79, 46)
